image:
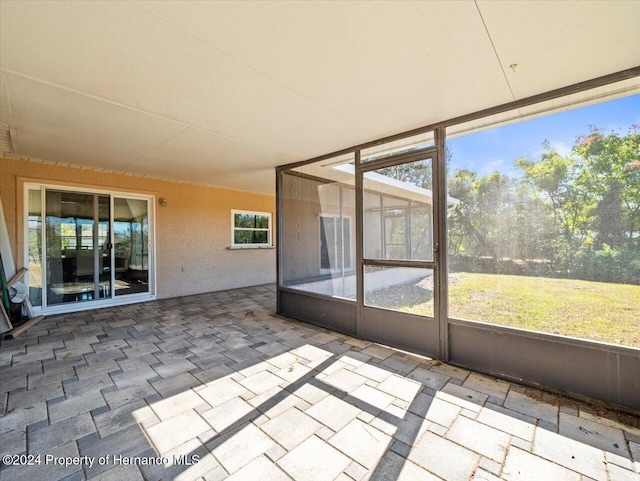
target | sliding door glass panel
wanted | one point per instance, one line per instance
(131, 245)
(398, 212)
(405, 289)
(70, 247)
(34, 246)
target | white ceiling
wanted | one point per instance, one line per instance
(220, 93)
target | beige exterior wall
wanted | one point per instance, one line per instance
(193, 232)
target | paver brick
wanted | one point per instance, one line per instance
(241, 447)
(129, 442)
(571, 454)
(120, 397)
(114, 420)
(480, 438)
(228, 413)
(46, 471)
(13, 442)
(522, 403)
(178, 403)
(261, 469)
(400, 387)
(291, 428)
(33, 396)
(261, 382)
(523, 466)
(21, 417)
(463, 397)
(314, 460)
(62, 432)
(333, 412)
(594, 434)
(220, 391)
(436, 454)
(361, 442)
(442, 412)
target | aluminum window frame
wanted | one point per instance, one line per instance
(268, 230)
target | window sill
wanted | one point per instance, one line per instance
(241, 248)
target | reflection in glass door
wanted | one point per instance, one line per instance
(131, 245)
(77, 247)
(84, 246)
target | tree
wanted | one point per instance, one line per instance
(555, 177)
(417, 173)
(612, 173)
(462, 230)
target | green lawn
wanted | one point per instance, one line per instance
(591, 310)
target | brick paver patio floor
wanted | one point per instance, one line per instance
(217, 386)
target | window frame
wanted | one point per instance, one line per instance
(268, 230)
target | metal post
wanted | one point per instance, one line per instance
(279, 256)
(440, 247)
(359, 246)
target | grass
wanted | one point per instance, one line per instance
(589, 310)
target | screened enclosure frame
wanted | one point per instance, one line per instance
(578, 367)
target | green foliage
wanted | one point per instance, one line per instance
(577, 214)
(612, 173)
(416, 173)
(620, 265)
(497, 217)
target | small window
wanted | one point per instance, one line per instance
(250, 229)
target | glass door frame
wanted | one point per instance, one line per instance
(438, 264)
(112, 299)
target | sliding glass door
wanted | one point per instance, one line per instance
(77, 247)
(84, 247)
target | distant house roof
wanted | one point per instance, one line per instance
(387, 185)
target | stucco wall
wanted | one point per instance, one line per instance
(193, 231)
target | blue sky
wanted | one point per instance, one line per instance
(496, 149)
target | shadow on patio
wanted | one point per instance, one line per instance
(215, 386)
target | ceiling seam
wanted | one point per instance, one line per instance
(279, 82)
(171, 137)
(13, 135)
(146, 112)
(495, 50)
(6, 82)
